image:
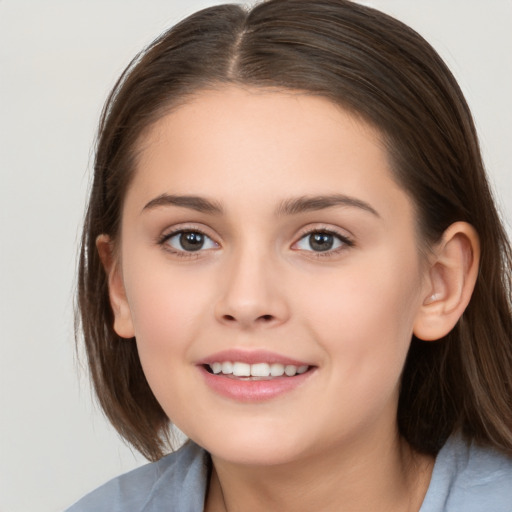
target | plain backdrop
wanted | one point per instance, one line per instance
(58, 60)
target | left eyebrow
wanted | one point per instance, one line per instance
(313, 203)
(199, 204)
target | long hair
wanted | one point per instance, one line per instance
(380, 70)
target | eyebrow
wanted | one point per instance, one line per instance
(314, 203)
(199, 204)
(292, 206)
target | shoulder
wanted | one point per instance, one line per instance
(469, 477)
(179, 480)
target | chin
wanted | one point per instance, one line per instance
(255, 448)
(256, 456)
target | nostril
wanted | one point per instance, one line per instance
(262, 318)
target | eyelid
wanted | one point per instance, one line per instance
(346, 239)
(342, 235)
(184, 228)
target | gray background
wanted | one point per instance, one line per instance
(58, 60)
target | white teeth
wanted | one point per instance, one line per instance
(260, 370)
(216, 367)
(290, 370)
(227, 367)
(239, 369)
(276, 370)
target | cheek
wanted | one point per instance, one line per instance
(168, 310)
(364, 317)
(168, 315)
(164, 299)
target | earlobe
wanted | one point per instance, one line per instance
(450, 282)
(123, 324)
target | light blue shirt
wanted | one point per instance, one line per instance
(469, 479)
(465, 479)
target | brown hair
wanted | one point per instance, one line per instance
(390, 76)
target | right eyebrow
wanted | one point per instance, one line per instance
(199, 204)
(302, 204)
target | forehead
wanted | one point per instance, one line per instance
(238, 143)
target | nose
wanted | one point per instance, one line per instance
(252, 295)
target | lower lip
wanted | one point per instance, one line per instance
(252, 390)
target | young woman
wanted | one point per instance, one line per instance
(291, 252)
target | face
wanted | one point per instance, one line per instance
(263, 233)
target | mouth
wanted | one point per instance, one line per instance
(254, 376)
(255, 371)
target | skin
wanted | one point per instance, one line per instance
(257, 284)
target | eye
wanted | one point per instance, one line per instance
(322, 241)
(188, 241)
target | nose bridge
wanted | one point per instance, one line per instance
(251, 291)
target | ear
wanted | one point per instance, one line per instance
(451, 279)
(123, 324)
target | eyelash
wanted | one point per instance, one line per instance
(346, 242)
(164, 239)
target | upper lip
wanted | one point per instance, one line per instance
(250, 357)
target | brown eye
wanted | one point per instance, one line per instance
(321, 241)
(189, 241)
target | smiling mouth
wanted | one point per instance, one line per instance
(256, 371)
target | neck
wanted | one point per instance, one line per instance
(371, 476)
